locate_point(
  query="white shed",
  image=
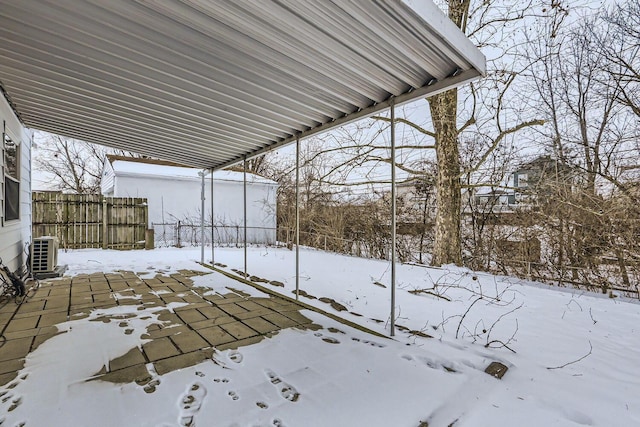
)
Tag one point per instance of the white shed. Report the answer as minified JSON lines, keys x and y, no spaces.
{"x":173,"y":193}
{"x":15,"y":187}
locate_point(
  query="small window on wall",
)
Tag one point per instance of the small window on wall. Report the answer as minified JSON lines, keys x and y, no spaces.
{"x":11,"y":153}
{"x":521,"y":180}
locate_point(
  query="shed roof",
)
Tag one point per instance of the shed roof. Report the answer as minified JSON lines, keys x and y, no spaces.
{"x":135,"y":167}
{"x":206,"y":83}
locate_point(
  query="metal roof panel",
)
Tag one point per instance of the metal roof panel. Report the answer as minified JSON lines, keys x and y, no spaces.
{"x":207,"y":83}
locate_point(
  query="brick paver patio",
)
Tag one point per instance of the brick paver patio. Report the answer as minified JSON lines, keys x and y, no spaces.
{"x":187,"y":336}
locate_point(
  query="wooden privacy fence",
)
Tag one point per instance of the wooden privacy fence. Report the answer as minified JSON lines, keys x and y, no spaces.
{"x":90,"y":220}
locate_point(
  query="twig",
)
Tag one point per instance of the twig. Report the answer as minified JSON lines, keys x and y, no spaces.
{"x":575,"y":302}
{"x":575,"y":361}
{"x":465,"y":314}
{"x":488,"y":345}
{"x":503,"y":315}
{"x":428,"y":292}
{"x":504,"y":344}
{"x":399,"y":312}
{"x":591,"y":314}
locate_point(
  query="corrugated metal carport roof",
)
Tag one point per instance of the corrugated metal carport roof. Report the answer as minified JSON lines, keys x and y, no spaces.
{"x":207,"y":82}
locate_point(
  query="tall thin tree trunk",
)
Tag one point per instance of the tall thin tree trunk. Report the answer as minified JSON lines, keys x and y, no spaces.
{"x":447,"y":247}
{"x":444,"y":111}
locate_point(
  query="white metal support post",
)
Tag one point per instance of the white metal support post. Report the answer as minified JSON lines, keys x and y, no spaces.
{"x":297,"y":218}
{"x":213,"y":251}
{"x":393,"y":219}
{"x":244,"y":170}
{"x":202,"y":218}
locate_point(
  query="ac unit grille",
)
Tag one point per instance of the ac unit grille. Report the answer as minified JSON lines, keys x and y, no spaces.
{"x":44,"y":254}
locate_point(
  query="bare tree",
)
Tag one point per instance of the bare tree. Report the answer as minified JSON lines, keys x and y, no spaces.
{"x":485,"y":106}
{"x":623,"y":51}
{"x":485,"y":113}
{"x":575,"y":74}
{"x":594,"y":123}
{"x":76,"y":166}
{"x":581,"y":208}
{"x":262,"y":165}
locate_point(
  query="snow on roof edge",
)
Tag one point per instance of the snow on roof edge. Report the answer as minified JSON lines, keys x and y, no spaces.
{"x":149,"y":169}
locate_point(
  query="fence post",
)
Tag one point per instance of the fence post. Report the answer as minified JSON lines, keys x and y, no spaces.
{"x":105,"y":224}
{"x":178,"y":235}
{"x":149,"y":239}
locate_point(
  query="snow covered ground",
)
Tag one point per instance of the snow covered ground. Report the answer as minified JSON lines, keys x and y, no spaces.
{"x":572,"y":355}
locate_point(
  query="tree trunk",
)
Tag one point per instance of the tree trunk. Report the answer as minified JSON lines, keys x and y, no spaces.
{"x":424,"y":228}
{"x":447,"y":247}
{"x":623,"y":268}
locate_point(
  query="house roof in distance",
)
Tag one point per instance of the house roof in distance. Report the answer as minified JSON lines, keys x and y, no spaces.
{"x":145,"y":167}
{"x":209,"y":83}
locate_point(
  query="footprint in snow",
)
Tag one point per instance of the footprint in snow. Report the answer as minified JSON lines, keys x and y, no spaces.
{"x":235,"y":356}
{"x":190,"y":404}
{"x":329,"y":340}
{"x":287,"y":391}
{"x":14,"y":404}
{"x":150,"y":387}
{"x":371,"y":343}
{"x":9,"y":398}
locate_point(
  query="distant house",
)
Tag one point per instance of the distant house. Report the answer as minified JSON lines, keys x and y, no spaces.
{"x":173,"y":193}
{"x":494,"y":199}
{"x":543,"y":175}
{"x":15,"y":187}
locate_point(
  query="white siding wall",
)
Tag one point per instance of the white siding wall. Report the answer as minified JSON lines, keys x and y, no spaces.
{"x":173,"y":199}
{"x":14,"y":234}
{"x":107,"y":181}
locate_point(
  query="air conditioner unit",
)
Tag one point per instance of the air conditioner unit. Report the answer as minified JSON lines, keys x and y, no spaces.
{"x":44,"y":254}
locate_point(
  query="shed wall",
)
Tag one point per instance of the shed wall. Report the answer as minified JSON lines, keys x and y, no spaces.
{"x":107,"y":179}
{"x":174,"y":199}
